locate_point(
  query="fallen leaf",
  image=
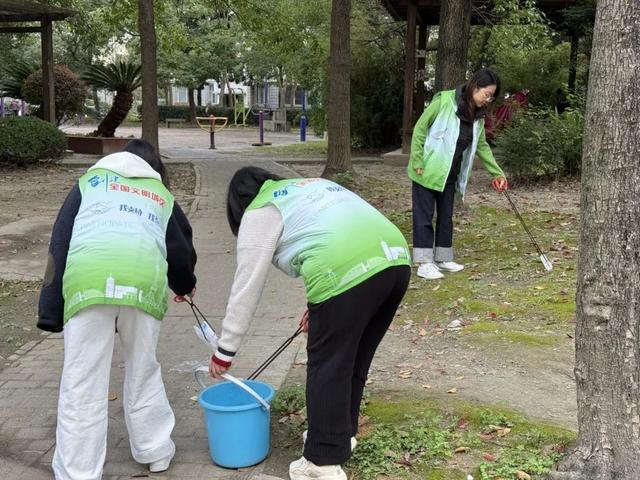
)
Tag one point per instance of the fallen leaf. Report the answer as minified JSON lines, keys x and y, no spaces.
{"x":436,"y":288}
{"x":489,"y":457}
{"x":194,"y":398}
{"x":520,"y":475}
{"x":452,"y":391}
{"x":112,"y":397}
{"x":460,"y":377}
{"x":538,"y":287}
{"x":486,"y":436}
{"x":461,"y":450}
{"x":463,"y":423}
{"x":426,"y":386}
{"x":368,"y":382}
{"x":422,"y":332}
{"x":405,"y":459}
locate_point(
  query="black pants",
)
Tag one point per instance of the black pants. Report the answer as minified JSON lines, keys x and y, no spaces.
{"x":344,"y":333}
{"x":425,"y":202}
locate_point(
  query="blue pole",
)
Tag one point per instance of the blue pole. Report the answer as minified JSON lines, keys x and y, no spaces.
{"x":303,"y":120}
{"x":261,"y":126}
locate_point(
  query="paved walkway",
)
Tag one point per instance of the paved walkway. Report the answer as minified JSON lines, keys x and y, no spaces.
{"x":29,"y":386}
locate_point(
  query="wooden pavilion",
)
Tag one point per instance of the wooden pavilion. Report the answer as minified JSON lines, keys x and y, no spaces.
{"x":16,"y":12}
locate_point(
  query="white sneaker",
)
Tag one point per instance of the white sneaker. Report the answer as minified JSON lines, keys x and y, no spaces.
{"x":303,"y":469}
{"x":161,"y":465}
{"x":449,"y":266}
{"x":429,"y":271}
{"x":354,"y":442}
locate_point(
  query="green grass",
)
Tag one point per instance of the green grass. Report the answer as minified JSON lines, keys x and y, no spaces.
{"x":504,"y":285}
{"x":307,"y":149}
{"x":437,"y":438}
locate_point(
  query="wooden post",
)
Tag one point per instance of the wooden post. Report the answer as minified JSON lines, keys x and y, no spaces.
{"x":423,"y":35}
{"x":48,"y":78}
{"x":409,"y":67}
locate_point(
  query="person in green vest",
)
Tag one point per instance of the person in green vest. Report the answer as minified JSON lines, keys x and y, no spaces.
{"x":356,"y":268}
{"x":119,"y":240}
{"x":445,"y":140}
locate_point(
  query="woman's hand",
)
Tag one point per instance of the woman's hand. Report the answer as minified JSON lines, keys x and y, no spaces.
{"x":419,"y":171}
{"x":181,"y":298}
{"x":500,"y":184}
{"x":215,"y":369}
{"x":304,"y":321}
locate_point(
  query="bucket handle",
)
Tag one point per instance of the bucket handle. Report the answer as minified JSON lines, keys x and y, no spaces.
{"x":237,"y":382}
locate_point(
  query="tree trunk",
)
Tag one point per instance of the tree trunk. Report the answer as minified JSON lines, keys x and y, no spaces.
{"x":453,"y":43}
{"x":222,"y":84}
{"x":96,"y":99}
{"x":608,"y":324}
{"x":115,"y":116}
{"x":149,"y":72}
{"x":573,"y":62}
{"x":192,"y":105}
{"x":339,"y":111}
{"x":199,"y":94}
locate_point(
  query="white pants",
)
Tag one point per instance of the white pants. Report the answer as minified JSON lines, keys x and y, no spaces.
{"x":81,"y":435}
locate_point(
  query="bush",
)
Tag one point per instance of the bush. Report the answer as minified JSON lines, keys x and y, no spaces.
{"x":25,"y":140}
{"x":70,"y":92}
{"x":377,"y":85}
{"x":541,"y":143}
{"x":541,"y":70}
{"x":182,"y":111}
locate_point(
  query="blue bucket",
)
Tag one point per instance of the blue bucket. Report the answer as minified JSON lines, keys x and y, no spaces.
{"x":237,"y":415}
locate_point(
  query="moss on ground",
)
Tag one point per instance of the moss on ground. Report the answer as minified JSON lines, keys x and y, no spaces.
{"x":441,"y":438}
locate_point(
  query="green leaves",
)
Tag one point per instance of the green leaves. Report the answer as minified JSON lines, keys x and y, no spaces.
{"x":118,"y":77}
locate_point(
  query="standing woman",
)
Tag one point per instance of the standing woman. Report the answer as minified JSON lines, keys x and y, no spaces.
{"x":445,"y":140}
{"x":356,"y":267}
{"x":119,"y":240}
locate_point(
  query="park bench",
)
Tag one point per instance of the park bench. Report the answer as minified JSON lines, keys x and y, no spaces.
{"x":179,"y":121}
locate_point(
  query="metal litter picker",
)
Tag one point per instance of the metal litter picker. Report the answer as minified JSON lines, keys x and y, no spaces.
{"x":543,"y":258}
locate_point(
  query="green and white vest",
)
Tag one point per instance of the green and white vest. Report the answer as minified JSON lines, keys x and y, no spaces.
{"x":332,"y":237}
{"x":117,"y":254}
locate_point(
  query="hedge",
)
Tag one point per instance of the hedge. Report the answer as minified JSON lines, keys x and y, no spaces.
{"x":25,"y":140}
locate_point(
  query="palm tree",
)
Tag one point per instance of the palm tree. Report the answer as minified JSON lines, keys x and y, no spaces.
{"x":122,"y":78}
{"x":12,"y":85}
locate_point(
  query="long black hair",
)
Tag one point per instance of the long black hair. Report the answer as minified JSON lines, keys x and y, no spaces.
{"x":482,"y":78}
{"x":148,"y":153}
{"x":243,"y":188}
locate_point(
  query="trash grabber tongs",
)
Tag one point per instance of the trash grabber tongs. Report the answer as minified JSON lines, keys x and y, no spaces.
{"x":543,"y":258}
{"x":200,"y":318}
{"x":274,"y":355}
{"x":208,"y":333}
